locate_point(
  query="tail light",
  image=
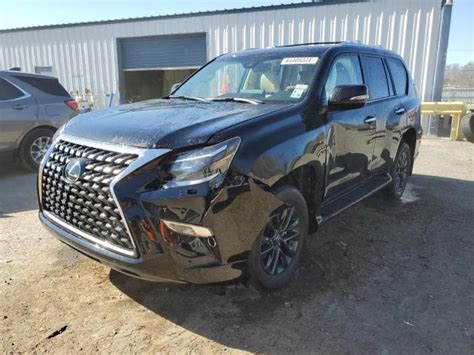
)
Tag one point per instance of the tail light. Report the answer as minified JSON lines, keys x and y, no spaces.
{"x":72,"y":104}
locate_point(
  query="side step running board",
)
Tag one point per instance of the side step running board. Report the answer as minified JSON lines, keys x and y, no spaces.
{"x":350,"y":199}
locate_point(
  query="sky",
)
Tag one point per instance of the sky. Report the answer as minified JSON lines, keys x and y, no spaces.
{"x":461,"y":34}
{"x":23,"y":13}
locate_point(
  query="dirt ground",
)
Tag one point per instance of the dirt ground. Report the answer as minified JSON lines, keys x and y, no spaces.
{"x":382,"y":277}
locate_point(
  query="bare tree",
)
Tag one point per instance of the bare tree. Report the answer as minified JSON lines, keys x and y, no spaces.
{"x":459,"y":75}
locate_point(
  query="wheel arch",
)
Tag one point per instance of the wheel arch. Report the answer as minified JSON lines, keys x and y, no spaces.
{"x":28,"y":132}
{"x":308,"y":180}
{"x":409,"y":137}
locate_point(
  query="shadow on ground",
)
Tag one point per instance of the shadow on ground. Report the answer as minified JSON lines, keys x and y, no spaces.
{"x":382,"y":276}
{"x":17,"y":189}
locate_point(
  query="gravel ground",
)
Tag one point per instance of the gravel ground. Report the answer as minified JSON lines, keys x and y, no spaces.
{"x":383,"y":277}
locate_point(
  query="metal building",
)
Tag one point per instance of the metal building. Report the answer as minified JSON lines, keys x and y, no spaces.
{"x":133,"y":57}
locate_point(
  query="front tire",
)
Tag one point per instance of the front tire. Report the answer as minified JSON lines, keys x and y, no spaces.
{"x":34,"y":146}
{"x":399,"y":172}
{"x":277,"y":250}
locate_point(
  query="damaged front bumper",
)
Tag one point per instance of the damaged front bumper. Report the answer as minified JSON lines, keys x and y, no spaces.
{"x":233,"y":216}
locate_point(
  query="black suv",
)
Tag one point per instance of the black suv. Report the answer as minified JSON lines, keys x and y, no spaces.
{"x":228,"y":175}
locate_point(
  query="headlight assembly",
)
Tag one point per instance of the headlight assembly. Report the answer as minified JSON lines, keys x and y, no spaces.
{"x":200,"y":165}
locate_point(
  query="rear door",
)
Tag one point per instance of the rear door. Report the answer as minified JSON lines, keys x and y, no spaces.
{"x":409,"y":101}
{"x":18,"y":113}
{"x":387,"y":108}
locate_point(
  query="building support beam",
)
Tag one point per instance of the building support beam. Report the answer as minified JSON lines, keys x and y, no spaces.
{"x":442,"y":50}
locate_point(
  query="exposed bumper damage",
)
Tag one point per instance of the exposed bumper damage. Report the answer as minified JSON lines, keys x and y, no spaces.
{"x":235,"y":214}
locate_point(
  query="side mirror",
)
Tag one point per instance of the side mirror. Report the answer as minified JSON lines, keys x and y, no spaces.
{"x":174,"y":87}
{"x":349,"y":96}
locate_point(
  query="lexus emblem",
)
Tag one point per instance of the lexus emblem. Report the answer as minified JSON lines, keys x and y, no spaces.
{"x":73,"y":170}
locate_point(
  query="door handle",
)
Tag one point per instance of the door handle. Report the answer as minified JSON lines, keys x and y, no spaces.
{"x":400,"y":111}
{"x":19,"y":107}
{"x":370,"y":119}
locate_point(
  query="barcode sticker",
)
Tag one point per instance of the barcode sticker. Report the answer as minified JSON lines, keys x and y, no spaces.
{"x":298,"y":91}
{"x":299,"y":61}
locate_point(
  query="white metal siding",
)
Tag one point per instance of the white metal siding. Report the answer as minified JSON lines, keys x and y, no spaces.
{"x":86,"y":56}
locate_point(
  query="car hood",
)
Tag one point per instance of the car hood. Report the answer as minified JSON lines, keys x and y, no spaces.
{"x":164,"y":123}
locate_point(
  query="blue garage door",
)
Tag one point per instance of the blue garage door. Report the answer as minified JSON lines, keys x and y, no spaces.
{"x":176,"y":51}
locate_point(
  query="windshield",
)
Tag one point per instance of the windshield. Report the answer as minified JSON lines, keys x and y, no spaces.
{"x":251,"y":77}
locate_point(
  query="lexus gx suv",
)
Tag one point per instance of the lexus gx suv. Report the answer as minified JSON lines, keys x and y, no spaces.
{"x":230,"y":174}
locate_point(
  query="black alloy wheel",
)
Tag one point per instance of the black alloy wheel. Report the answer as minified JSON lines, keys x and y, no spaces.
{"x":400,"y":172}
{"x":280,"y":241}
{"x":277,"y":250}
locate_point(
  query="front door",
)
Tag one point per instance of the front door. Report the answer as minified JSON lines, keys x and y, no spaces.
{"x":351,"y":131}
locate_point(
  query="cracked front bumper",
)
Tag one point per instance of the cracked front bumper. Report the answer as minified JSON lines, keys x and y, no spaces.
{"x":235,"y":215}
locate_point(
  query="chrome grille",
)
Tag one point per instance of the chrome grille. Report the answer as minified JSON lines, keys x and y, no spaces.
{"x":87,"y":203}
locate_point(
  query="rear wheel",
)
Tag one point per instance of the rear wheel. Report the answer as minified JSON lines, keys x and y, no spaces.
{"x":400,"y":172}
{"x":34,"y":147}
{"x":277,"y":250}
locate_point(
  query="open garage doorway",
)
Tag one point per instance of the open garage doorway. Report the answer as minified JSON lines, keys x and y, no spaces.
{"x":142,"y":85}
{"x":151,"y":65}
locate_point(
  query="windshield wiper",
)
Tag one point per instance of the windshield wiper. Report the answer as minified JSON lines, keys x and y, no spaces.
{"x":237,"y":99}
{"x":184,"y":97}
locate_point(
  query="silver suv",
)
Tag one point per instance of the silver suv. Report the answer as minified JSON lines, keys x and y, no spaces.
{"x":32,"y":108}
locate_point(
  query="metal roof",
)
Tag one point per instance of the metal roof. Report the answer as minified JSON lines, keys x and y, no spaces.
{"x":188,"y":14}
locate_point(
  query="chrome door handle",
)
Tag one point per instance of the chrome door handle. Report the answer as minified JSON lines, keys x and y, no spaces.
{"x":370,"y":119}
{"x":19,"y":107}
{"x":400,"y":111}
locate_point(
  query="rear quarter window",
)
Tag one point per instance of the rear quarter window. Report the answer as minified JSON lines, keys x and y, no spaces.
{"x":49,"y":86}
{"x":9,"y":91}
{"x":399,"y":76}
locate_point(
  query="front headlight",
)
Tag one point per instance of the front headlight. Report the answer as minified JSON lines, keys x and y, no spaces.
{"x":197,"y":166}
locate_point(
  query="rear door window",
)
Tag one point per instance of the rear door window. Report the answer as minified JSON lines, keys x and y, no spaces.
{"x":399,"y":75}
{"x":49,"y":86}
{"x":376,"y":77}
{"x":345,"y":70}
{"x":9,"y":91}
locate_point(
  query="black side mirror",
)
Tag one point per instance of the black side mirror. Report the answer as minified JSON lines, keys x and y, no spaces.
{"x":349,"y":96}
{"x":174,"y":87}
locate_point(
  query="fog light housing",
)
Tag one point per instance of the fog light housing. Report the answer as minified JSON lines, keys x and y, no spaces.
{"x":188,"y":229}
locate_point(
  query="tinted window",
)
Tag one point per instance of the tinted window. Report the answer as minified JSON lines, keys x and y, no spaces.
{"x":49,"y":86}
{"x":376,"y":78}
{"x":399,"y":75}
{"x":8,"y":91}
{"x":344,"y":71}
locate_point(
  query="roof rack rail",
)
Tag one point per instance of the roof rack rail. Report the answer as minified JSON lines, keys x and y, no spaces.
{"x":309,"y":43}
{"x":317,"y":43}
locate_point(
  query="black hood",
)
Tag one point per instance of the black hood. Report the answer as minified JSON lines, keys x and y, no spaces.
{"x":164,"y":123}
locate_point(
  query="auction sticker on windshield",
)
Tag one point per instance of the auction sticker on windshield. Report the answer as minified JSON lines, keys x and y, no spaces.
{"x":299,"y":60}
{"x":298,"y":91}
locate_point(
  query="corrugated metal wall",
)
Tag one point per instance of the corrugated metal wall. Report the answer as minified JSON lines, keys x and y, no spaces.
{"x":86,"y":56}
{"x":160,"y":51}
